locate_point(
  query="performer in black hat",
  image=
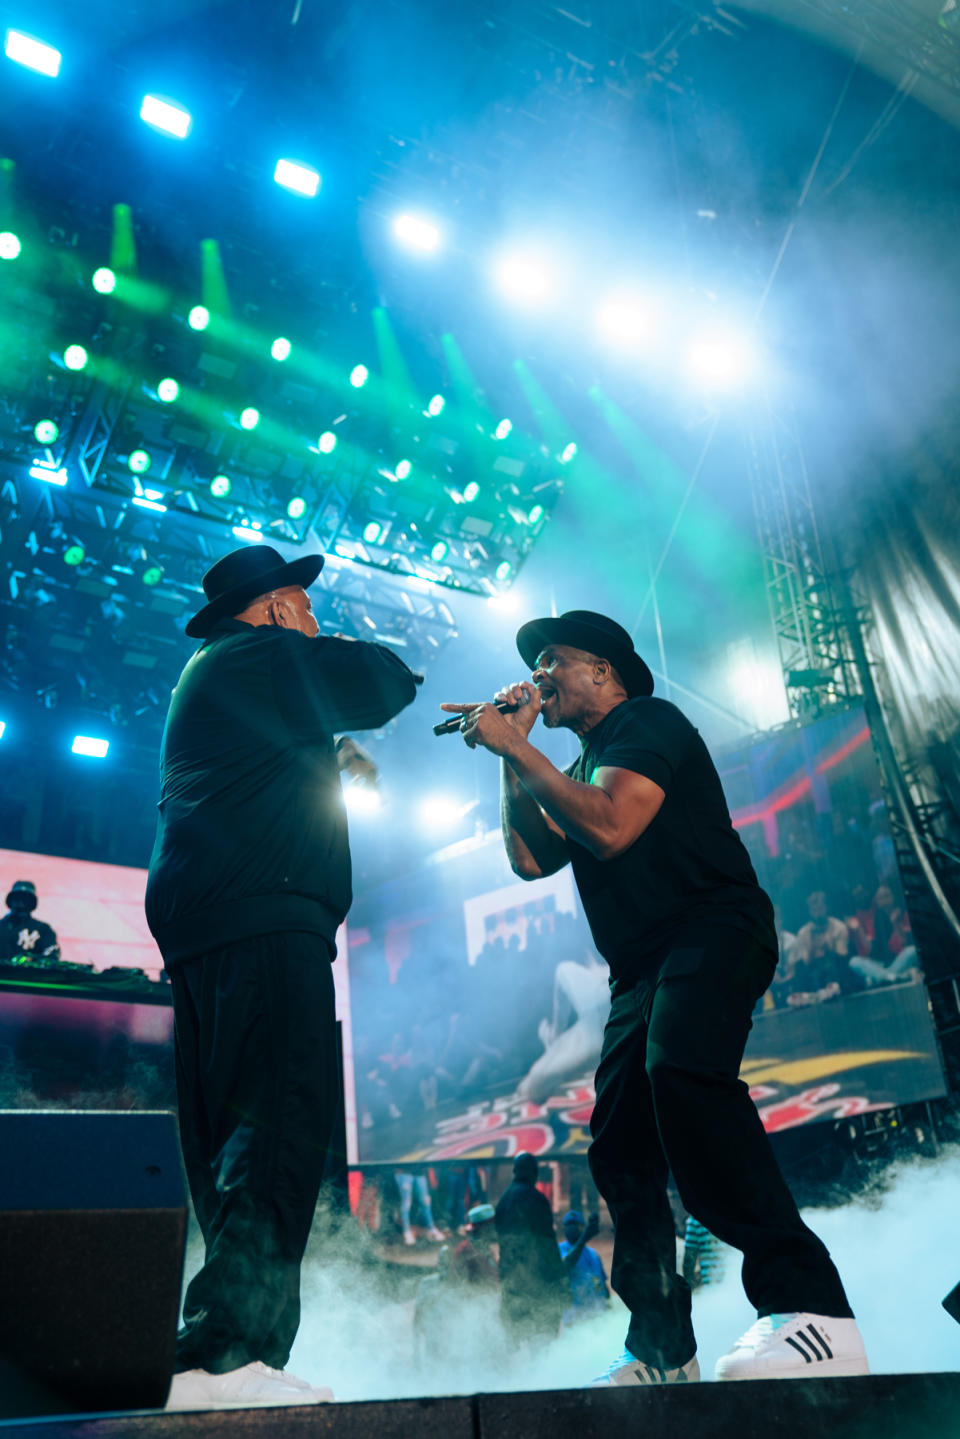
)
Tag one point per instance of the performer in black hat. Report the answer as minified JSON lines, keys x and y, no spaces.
{"x":22,"y":936}
{"x":676,"y":910}
{"x":248,"y":883}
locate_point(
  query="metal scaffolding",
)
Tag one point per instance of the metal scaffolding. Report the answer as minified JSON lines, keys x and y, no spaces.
{"x":814,"y":653}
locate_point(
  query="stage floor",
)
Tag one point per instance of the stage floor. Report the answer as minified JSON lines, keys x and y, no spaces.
{"x":901,"y":1406}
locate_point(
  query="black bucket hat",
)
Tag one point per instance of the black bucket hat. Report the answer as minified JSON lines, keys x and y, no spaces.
{"x":23,"y":887}
{"x":585,"y":630}
{"x":237,"y":579}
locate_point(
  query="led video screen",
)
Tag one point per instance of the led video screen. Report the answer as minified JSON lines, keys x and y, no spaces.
{"x":96,"y":1030}
{"x":479,"y":1002}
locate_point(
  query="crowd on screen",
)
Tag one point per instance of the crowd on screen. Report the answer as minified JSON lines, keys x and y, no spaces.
{"x":842,"y":925}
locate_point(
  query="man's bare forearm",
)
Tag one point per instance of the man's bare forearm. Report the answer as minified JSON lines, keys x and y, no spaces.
{"x":584,"y":812}
{"x":533,"y":847}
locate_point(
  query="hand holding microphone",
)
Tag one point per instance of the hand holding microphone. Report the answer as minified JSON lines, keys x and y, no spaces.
{"x":495,"y":725}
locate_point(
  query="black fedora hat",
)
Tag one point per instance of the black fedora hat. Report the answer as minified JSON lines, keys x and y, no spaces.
{"x":584,"y":630}
{"x":237,"y":579}
{"x":25,"y":887}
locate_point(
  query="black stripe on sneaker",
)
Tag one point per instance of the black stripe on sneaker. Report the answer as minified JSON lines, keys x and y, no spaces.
{"x":799,"y":1348}
{"x":808,"y":1343}
{"x":819,"y":1337}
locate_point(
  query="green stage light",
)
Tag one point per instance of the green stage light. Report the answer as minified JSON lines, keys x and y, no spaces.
{"x":168,"y":390}
{"x":139,"y":462}
{"x":152,"y":575}
{"x":199,"y":317}
{"x":297,"y":507}
{"x":327,"y":443}
{"x":75,"y":357}
{"x":503,"y":429}
{"x":359,"y":376}
{"x":104,"y":281}
{"x":220,"y":486}
{"x":436,"y":406}
{"x":403,"y":469}
{"x":10,"y":246}
{"x":504,"y":570}
{"x":568,"y":454}
{"x":74,"y":554}
{"x":46,"y":432}
{"x":439,"y":551}
{"x":535,"y":514}
{"x":471,"y":491}
{"x":249,"y":418}
{"x":280,"y":349}
{"x":372,"y":532}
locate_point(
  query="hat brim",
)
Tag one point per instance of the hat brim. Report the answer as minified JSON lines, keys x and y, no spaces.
{"x":536,"y":635}
{"x":301,"y":572}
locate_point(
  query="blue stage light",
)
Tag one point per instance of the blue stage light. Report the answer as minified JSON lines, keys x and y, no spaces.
{"x":280,"y":349}
{"x":91,"y":746}
{"x":10,"y":246}
{"x":166,"y":116}
{"x":297,"y":508}
{"x":35,"y":54}
{"x":75,"y":357}
{"x":299,"y":178}
{"x":416,"y":233}
{"x":168,"y":390}
{"x":249,"y":418}
{"x":220,"y":486}
{"x":503,"y":429}
{"x":436,"y":406}
{"x":199,"y":317}
{"x":104,"y":281}
{"x":359,"y":376}
{"x":327,"y":443}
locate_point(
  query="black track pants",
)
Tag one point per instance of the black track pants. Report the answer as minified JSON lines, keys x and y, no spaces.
{"x":258,"y":1086}
{"x":669,"y":1097}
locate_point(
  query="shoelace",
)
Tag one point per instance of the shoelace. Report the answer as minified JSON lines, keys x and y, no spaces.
{"x":762,"y":1329}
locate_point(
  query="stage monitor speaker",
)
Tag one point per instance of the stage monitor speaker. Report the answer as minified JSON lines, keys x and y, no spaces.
{"x":93,"y":1221}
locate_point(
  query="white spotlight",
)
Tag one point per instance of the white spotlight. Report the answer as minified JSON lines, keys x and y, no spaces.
{"x":299,"y":178}
{"x":628,"y":320}
{"x":417,"y":233}
{"x":362,"y":799}
{"x":523,"y":279}
{"x":722,"y":360}
{"x":508,"y":603}
{"x":164,"y":115}
{"x":36,"y":55}
{"x":90,"y":745}
{"x":440,"y":811}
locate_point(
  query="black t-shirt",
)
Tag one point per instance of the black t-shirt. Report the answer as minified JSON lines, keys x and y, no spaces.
{"x":21,"y":934}
{"x":688,"y":874}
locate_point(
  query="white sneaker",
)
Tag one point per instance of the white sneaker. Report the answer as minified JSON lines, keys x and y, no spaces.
{"x":409,"y":1238}
{"x":255,"y":1384}
{"x":628,"y":1369}
{"x":796,"y":1346}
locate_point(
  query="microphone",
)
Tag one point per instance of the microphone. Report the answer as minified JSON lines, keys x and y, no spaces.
{"x":451,"y":725}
